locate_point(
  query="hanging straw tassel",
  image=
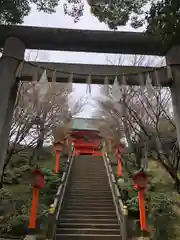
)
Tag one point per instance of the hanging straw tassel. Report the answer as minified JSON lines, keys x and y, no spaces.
{"x":140,"y":79}
{"x":116,"y":90}
{"x":19,"y":70}
{"x":124,"y":83}
{"x":149,"y":84}
{"x":156,"y":76}
{"x":54,"y":76}
{"x":70,"y":82}
{"x":169,"y":72}
{"x":36,"y":74}
{"x":123,"y":80}
{"x":106,"y":86}
{"x":88,"y":89}
{"x":148,"y":80}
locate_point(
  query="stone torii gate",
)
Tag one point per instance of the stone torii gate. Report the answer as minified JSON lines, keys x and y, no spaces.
{"x":16,"y":39}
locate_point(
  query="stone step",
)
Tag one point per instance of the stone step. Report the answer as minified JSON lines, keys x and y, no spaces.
{"x":95,"y":166}
{"x":90,"y":183}
{"x":87,"y":216}
{"x":87,"y":237}
{"x":90,"y":171}
{"x":76,"y":204}
{"x":80,"y":231}
{"x":86,"y":225}
{"x":90,"y":201}
{"x":99,"y":166}
{"x":93,"y":192}
{"x":89,"y":196}
{"x":94,"y":195}
{"x":73,"y":191}
{"x":92,"y":208}
{"x":84,"y":189}
{"x":86,"y":159}
{"x":87,"y":221}
{"x":89,"y":212}
{"x":94,"y":178}
{"x":90,"y":164}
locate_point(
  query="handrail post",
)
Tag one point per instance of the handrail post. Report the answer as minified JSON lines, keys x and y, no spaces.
{"x":51,"y":216}
{"x":125,"y":223}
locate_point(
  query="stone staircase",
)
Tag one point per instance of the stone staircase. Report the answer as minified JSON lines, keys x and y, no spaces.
{"x":88,"y":211}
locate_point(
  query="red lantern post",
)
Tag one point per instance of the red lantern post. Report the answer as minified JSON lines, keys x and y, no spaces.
{"x":58,"y":148}
{"x":119,"y":152}
{"x":37,"y":183}
{"x":140,"y":180}
{"x":119,"y":165}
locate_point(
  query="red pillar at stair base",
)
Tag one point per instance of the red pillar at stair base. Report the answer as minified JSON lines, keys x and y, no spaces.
{"x":57,"y":161}
{"x":142,"y":210}
{"x":32,"y":222}
{"x":119,"y":166}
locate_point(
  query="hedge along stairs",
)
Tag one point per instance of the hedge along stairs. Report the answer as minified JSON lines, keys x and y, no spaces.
{"x":88,"y":210}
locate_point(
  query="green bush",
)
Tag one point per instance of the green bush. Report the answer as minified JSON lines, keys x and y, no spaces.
{"x":10,"y":177}
{"x":52,"y":182}
{"x":162,"y":217}
{"x":5,"y":202}
{"x":4,"y":195}
{"x":46,"y":152}
{"x":14,"y":175}
{"x":133,"y":204}
{"x":16,"y":224}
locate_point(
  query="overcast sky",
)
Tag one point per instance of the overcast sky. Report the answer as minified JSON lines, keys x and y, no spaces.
{"x":60,"y":20}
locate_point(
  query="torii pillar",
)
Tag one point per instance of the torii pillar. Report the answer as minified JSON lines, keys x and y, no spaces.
{"x":13,"y":49}
{"x":172,"y":58}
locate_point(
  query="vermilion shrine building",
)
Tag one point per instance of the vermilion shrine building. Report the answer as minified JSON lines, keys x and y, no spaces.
{"x":85,"y":137}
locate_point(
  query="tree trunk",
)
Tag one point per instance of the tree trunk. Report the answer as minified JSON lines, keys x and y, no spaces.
{"x":33,"y":160}
{"x":177,"y":185}
{"x":172,"y":172}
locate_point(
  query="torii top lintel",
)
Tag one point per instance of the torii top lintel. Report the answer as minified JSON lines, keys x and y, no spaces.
{"x":83,"y":40}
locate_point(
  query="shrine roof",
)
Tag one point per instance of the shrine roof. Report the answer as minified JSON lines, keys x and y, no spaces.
{"x":84,"y":124}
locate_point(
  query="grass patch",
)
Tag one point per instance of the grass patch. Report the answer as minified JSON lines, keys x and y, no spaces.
{"x":48,"y":163}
